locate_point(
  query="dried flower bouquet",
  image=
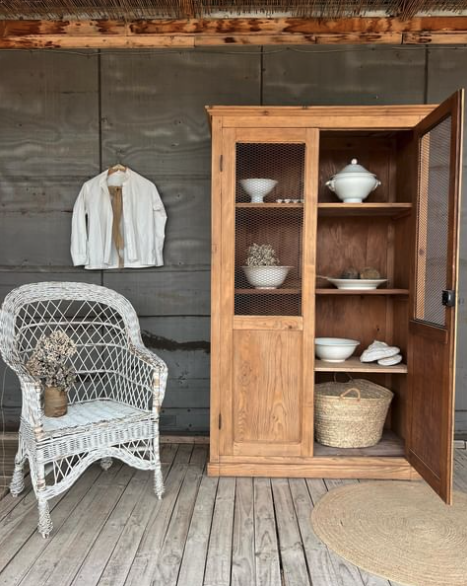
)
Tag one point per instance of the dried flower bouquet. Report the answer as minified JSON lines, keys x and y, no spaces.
{"x":49,"y":360}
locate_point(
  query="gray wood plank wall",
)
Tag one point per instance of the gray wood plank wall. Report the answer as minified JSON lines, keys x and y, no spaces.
{"x":65,"y":115}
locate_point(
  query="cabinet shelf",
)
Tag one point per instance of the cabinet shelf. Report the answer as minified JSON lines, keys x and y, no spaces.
{"x":364,"y":209}
{"x":266,"y":205}
{"x":353,"y":364}
{"x":285,"y":291}
{"x":390,"y":446}
{"x":330,"y":291}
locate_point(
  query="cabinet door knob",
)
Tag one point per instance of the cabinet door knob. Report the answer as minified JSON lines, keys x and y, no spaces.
{"x":448,"y":298}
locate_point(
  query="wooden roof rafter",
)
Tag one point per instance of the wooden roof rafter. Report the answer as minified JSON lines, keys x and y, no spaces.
{"x":196,"y":32}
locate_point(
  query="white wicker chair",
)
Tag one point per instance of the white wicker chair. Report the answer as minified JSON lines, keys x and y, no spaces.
{"x":113,"y":407}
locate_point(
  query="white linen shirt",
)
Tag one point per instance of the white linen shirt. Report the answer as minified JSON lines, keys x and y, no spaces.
{"x":143,"y":224}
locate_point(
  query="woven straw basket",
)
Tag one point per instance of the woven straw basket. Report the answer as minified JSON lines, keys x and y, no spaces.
{"x":350,"y":415}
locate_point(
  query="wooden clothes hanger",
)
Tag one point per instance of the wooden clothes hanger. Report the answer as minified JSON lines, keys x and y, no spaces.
{"x":115,"y":168}
{"x":118,"y":166}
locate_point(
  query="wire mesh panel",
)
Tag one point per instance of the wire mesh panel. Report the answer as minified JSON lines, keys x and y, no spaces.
{"x":97,"y":329}
{"x":268,"y":228}
{"x":433,"y":211}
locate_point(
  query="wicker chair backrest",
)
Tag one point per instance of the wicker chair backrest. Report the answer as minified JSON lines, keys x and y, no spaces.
{"x":101,"y":322}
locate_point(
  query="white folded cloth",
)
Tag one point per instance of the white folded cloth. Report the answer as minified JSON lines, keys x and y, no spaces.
{"x":377,"y":351}
{"x":391,"y":360}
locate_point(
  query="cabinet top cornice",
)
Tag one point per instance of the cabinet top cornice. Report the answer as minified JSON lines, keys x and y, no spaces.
{"x":372,"y":117}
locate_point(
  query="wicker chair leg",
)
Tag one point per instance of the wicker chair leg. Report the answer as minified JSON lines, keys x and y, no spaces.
{"x":45,"y":522}
{"x":17,"y":481}
{"x":158,"y":482}
{"x":106,"y":463}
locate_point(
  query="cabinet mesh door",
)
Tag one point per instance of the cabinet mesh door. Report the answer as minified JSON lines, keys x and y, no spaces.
{"x":268,"y":228}
{"x":433,"y":212}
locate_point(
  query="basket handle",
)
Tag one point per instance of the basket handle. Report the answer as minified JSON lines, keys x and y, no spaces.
{"x":349,"y":376}
{"x":345,"y":393}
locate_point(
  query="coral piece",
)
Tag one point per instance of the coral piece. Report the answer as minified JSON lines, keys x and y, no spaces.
{"x":349,"y":273}
{"x":261,"y":255}
{"x":390,"y":361}
{"x":370,"y":273}
{"x":377,"y":351}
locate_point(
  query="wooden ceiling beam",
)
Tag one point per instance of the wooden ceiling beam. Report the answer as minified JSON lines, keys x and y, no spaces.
{"x":29,"y":34}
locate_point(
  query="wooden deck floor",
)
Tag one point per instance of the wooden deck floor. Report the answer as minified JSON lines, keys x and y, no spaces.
{"x":110,"y":530}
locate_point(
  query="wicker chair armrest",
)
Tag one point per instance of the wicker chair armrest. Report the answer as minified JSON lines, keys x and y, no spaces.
{"x":31,"y":389}
{"x":152,"y":376}
{"x":159,"y":371}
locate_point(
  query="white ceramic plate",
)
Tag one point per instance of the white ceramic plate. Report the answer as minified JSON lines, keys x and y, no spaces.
{"x":357,"y":284}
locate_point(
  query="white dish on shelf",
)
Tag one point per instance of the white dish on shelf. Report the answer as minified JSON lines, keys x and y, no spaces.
{"x":357,"y":284}
{"x":354,"y":183}
{"x":257,"y":188}
{"x":335,"y":349}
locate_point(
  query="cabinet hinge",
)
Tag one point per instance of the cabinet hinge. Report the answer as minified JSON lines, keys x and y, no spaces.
{"x":220,"y":421}
{"x":221,"y":163}
{"x":448,"y":298}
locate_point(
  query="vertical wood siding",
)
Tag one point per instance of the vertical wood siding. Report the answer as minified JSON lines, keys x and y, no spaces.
{"x":66,"y":115}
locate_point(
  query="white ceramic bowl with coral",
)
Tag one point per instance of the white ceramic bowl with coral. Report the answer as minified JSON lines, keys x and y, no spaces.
{"x":335,"y":349}
{"x":267,"y":277}
{"x":258,"y":188}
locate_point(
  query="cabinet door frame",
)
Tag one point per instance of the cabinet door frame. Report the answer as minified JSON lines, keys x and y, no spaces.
{"x":229,"y":322}
{"x":436,"y":340}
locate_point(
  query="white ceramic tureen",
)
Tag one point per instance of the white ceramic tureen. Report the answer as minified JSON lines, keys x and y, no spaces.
{"x":354,"y":183}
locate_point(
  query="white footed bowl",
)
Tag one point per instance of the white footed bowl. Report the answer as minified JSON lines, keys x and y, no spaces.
{"x":335,"y":349}
{"x":266,"y":277}
{"x":257,"y":189}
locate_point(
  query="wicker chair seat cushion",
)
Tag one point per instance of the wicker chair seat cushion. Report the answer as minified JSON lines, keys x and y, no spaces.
{"x":92,"y":412}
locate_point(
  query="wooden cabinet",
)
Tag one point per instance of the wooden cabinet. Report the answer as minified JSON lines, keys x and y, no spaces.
{"x":263,"y":361}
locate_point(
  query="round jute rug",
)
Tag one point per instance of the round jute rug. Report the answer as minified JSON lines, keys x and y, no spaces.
{"x":401,"y":531}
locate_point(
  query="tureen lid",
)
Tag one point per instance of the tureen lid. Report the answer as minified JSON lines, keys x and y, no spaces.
{"x":354,"y":167}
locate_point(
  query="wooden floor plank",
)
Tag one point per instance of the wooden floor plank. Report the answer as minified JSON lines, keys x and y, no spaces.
{"x":17,"y":509}
{"x":196,"y":546}
{"x":25,"y":545}
{"x":69,"y":547}
{"x":290,"y":544}
{"x":268,"y":571}
{"x":94,"y":564}
{"x":338,"y":482}
{"x":119,"y":563}
{"x":21,"y":521}
{"x":9,"y":502}
{"x":460,"y":470}
{"x":219,"y":558}
{"x":109,"y":530}
{"x":243,"y":546}
{"x":320,"y":566}
{"x":171,"y":553}
{"x":143,"y":567}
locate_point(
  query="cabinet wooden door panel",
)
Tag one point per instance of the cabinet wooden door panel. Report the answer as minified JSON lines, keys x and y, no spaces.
{"x":266,"y":362}
{"x":432,"y":323}
{"x":267,"y":369}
